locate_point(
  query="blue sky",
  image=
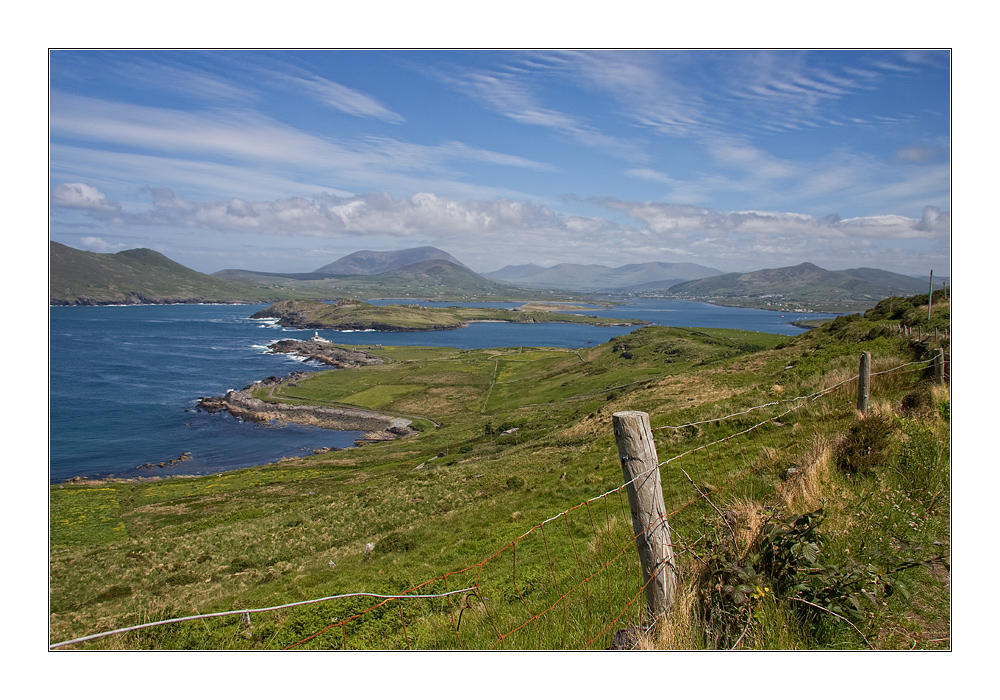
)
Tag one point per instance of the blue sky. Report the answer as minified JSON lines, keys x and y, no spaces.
{"x":288,"y":160}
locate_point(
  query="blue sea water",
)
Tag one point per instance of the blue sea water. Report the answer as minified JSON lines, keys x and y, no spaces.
{"x":125,"y":380}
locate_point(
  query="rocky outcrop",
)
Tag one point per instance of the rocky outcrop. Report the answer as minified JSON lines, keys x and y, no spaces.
{"x":326,"y":353}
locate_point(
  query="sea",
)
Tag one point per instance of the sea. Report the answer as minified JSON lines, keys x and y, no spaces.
{"x":124,"y":381}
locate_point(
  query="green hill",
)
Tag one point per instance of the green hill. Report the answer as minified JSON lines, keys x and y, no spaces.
{"x":800,"y":285}
{"x":139,"y":276}
{"x":370,"y":262}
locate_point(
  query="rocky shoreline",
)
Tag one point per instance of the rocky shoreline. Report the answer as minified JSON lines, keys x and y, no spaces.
{"x":327,"y":353}
{"x":137,"y":299}
{"x":243,"y":405}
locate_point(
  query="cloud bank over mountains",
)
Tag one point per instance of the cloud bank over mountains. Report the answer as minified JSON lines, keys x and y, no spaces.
{"x":681,"y":232}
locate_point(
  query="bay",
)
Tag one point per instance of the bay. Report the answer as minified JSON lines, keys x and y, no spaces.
{"x":124,"y":381}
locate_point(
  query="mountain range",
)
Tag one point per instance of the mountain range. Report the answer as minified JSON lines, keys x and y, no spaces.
{"x":363,"y":262}
{"x":146,"y":276}
{"x":806,"y":283}
{"x":636,"y":277}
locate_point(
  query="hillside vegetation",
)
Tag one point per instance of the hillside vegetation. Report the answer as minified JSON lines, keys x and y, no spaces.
{"x":799,"y":524}
{"x":135,"y":276}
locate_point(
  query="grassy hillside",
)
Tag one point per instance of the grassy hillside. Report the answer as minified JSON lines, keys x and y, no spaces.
{"x":519,"y":436}
{"x":913,"y":311}
{"x":358,"y":315}
{"x":135,"y":276}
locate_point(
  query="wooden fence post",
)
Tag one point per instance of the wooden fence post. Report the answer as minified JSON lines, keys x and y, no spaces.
{"x":930,"y":297}
{"x":864,"y":381}
{"x":939,"y":366}
{"x":641,"y":472}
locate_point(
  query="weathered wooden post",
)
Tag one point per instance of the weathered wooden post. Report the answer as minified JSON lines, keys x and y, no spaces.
{"x":939,"y":366}
{"x":641,"y":472}
{"x":864,"y":381}
{"x":930,"y":298}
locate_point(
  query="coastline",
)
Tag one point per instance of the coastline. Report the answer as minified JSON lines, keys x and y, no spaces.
{"x":242,"y":404}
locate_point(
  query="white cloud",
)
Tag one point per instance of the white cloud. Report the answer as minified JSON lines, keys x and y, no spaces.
{"x":684,"y":219}
{"x":349,"y":101}
{"x":95,"y":244}
{"x":745,"y":240}
{"x":77,"y":195}
{"x":250,"y":139}
{"x":490,"y":233}
{"x":919,"y":154}
{"x":510,"y":94}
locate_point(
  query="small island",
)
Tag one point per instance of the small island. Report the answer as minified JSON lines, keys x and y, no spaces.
{"x":353,"y":315}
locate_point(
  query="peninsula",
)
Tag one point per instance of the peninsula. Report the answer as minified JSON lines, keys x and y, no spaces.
{"x":350,"y":314}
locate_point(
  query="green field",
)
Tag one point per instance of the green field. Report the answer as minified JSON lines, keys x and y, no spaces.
{"x":470,"y":502}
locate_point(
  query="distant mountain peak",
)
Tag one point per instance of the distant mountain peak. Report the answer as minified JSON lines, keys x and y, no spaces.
{"x":804,"y":281}
{"x":651,"y":275}
{"x":371,"y":262}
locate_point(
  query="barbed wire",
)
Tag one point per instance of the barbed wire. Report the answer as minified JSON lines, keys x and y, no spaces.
{"x":248,"y":611}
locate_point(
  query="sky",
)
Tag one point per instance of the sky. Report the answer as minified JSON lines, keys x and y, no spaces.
{"x":285,"y":161}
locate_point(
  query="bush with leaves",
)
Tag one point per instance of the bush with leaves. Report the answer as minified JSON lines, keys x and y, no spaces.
{"x":792,"y":555}
{"x":789,"y":562}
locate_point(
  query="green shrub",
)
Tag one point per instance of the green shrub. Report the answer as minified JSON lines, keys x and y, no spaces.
{"x":866,"y":445}
{"x":918,"y":402}
{"x":944,"y":409}
{"x":515,"y":482}
{"x":397,"y":542}
{"x":789,"y":562}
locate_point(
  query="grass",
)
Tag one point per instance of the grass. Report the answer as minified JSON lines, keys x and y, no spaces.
{"x":464,"y":504}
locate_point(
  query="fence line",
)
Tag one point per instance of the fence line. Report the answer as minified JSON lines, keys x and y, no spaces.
{"x":475,"y":589}
{"x":248,"y":611}
{"x":779,"y":401}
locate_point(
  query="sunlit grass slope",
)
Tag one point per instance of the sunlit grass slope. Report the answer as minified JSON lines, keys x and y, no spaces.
{"x":469,"y":484}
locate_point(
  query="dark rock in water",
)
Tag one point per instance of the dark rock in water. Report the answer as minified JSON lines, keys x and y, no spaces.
{"x":326,"y":353}
{"x":212,"y":404}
